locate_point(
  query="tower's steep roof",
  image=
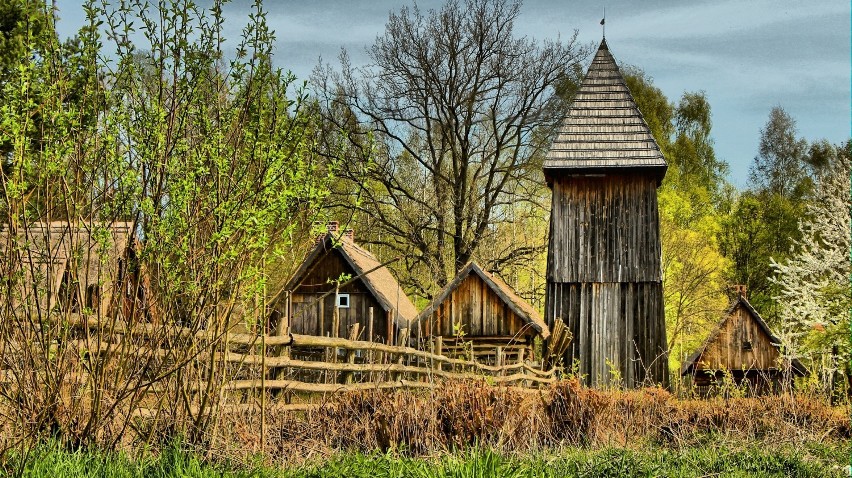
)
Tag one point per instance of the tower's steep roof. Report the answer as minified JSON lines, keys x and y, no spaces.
{"x":604,"y":128}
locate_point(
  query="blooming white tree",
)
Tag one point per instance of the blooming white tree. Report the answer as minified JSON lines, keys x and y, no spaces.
{"x":814,"y":284}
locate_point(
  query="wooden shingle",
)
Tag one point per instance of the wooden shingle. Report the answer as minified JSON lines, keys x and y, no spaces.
{"x":604,"y":128}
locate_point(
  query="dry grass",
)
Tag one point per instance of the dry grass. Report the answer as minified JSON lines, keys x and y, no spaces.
{"x":459,"y":415}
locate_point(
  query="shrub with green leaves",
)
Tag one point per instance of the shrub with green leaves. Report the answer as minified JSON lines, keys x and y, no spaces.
{"x":202,"y":153}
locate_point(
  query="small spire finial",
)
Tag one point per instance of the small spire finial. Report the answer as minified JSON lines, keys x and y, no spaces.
{"x":603,"y":23}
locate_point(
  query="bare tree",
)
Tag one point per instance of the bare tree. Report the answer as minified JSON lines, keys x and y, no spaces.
{"x":441,"y":132}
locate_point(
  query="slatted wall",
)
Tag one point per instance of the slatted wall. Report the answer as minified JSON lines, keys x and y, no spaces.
{"x":604,"y":276}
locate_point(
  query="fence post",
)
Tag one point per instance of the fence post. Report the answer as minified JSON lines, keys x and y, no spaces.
{"x":431,"y":362}
{"x":369,"y":357}
{"x":283,"y":328}
{"x":370,"y":326}
{"x":321,"y":317}
{"x":403,"y":342}
{"x":335,"y":327}
{"x":335,"y":316}
{"x":350,"y":353}
{"x":327,"y":358}
{"x":439,"y":350}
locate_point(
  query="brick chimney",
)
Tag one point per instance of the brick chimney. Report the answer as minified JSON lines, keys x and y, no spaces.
{"x":739,"y":290}
{"x":333,"y":227}
{"x":349,"y":234}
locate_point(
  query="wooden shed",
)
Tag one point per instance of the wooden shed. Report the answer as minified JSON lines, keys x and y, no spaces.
{"x":742,"y":346}
{"x":480,"y":311}
{"x":72,"y":268}
{"x":369,"y":295}
{"x":604,"y":275}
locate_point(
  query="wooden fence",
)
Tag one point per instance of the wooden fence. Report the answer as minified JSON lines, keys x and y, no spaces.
{"x":311,"y":364}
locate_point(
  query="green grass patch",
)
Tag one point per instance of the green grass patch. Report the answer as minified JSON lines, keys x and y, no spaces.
{"x":816,"y":460}
{"x":605,"y":463}
{"x":50,"y":460}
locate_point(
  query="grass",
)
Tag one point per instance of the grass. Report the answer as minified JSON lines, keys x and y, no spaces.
{"x":814,"y":460}
{"x":50,"y":460}
{"x":610,"y":462}
{"x":564,"y":431}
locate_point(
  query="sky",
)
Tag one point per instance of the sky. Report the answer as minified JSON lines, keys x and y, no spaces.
{"x":747,"y":56}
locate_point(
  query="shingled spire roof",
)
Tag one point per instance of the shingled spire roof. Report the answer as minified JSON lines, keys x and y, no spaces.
{"x":604,"y":128}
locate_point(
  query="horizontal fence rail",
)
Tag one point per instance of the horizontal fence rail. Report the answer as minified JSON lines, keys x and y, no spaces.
{"x":291,"y":363}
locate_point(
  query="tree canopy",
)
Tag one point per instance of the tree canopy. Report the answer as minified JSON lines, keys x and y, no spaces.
{"x":447,"y":116}
{"x":813,"y":283}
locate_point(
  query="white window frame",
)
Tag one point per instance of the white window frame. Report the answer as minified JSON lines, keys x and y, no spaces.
{"x":348,"y":301}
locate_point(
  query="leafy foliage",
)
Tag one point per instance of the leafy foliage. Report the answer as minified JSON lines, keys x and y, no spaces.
{"x":813,"y":284}
{"x":209,"y":162}
{"x":690,"y":199}
{"x":763,"y":222}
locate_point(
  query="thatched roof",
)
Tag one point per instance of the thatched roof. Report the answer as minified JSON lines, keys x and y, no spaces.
{"x":47,"y":249}
{"x":604,"y":128}
{"x":690,"y":363}
{"x":516,"y":304}
{"x":375,"y":276}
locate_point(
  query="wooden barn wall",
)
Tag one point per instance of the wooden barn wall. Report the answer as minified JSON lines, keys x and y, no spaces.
{"x":308,"y":308}
{"x":604,"y":276}
{"x":481,"y":312}
{"x":727,"y":350}
{"x":329,"y":266}
{"x":604,"y":229}
{"x":618,"y":326}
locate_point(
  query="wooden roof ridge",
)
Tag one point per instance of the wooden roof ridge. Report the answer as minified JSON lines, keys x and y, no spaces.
{"x":597,"y":122}
{"x":516,"y":303}
{"x":375,"y":276}
{"x":690,"y":362}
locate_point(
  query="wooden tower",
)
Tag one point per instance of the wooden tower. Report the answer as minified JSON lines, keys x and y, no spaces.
{"x":604,"y":275}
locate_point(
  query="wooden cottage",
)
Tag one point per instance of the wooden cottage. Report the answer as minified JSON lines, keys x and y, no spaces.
{"x":742,"y":346}
{"x":604,"y":260}
{"x":321,"y":304}
{"x":72,"y":269}
{"x":480,"y":311}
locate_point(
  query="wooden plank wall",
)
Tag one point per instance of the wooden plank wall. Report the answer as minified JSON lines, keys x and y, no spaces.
{"x":604,"y":277}
{"x":307,"y":308}
{"x":604,"y":229}
{"x":312,"y":316}
{"x":481,"y":312}
{"x":727,"y":350}
{"x":618,"y":326}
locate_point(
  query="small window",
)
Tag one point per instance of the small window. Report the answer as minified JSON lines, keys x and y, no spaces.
{"x":93,"y":296}
{"x":747,"y":345}
{"x":343,"y":301}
